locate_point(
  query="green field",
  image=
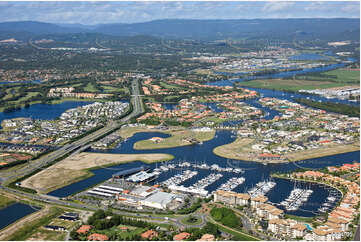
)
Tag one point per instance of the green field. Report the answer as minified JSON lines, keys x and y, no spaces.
{"x":90,"y":88}
{"x":169,"y":86}
{"x":5,"y":201}
{"x":178,"y":138}
{"x":57,"y":101}
{"x":290,"y":85}
{"x":187,"y":220}
{"x":335,"y":78}
{"x":21,"y":100}
{"x":339,"y":75}
{"x":28,"y":96}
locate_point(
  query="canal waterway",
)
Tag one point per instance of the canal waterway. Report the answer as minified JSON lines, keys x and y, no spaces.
{"x":14,"y":212}
{"x":202,"y":153}
{"x":254,"y":172}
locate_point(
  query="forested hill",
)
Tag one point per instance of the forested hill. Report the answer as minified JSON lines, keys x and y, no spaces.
{"x":331,"y":29}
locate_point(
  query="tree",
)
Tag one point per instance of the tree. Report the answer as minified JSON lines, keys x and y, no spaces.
{"x":210,"y":228}
{"x":74,"y":235}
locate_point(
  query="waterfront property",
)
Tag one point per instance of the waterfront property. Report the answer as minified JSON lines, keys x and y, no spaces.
{"x":71,"y":124}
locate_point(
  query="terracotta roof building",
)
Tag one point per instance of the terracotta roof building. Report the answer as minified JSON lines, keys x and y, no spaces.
{"x":181,"y":236}
{"x":207,"y":237}
{"x":84,"y":229}
{"x":231,"y":198}
{"x":98,"y":237}
{"x":150,"y":234}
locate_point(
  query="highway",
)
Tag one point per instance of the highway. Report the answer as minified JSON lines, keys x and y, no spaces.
{"x":69,"y":148}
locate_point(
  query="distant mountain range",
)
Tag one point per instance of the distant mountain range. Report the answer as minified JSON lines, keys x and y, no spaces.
{"x":201,"y":29}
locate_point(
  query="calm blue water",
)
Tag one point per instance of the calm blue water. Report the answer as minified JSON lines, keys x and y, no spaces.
{"x":212,"y":106}
{"x":278,"y":75}
{"x":42,"y":111}
{"x":254,"y":172}
{"x":14,"y":212}
{"x":308,"y":56}
{"x":292,"y":96}
{"x":33,"y":81}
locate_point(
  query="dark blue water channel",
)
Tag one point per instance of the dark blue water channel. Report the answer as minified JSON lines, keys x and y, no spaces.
{"x":309,"y":56}
{"x":14,"y":212}
{"x":254,"y":172}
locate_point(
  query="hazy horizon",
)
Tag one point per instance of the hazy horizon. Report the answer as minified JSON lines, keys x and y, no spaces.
{"x":95,"y":13}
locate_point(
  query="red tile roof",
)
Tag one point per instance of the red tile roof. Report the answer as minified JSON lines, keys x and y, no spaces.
{"x":181,"y":236}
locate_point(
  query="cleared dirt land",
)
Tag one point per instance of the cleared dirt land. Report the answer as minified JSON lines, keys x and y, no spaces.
{"x":325,"y":151}
{"x":77,"y":167}
{"x":240,"y":149}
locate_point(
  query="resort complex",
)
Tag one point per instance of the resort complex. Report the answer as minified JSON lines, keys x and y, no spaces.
{"x":128,"y":122}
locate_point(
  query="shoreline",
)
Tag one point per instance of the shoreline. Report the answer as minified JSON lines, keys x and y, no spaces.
{"x":168,"y":142}
{"x":175,"y":140}
{"x":227,"y":151}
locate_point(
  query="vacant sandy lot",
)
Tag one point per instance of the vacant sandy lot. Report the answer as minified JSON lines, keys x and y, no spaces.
{"x":240,"y":149}
{"x":325,"y":151}
{"x":75,"y":168}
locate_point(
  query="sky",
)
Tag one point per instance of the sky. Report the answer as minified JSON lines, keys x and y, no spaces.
{"x":95,"y":12}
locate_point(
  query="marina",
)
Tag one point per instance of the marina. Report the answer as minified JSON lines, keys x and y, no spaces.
{"x":188,"y":156}
{"x":232,"y":183}
{"x":200,"y":158}
{"x":179,"y":178}
{"x":296,"y":199}
{"x":205,"y":182}
{"x":261,"y":188}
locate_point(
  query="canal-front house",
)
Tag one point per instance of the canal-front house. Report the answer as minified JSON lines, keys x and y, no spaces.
{"x":98,"y":237}
{"x":231,"y":198}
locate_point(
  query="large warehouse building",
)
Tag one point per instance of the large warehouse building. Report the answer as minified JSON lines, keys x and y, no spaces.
{"x":160,"y":200}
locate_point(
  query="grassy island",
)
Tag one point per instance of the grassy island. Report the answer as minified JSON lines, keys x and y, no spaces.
{"x":179,"y":137}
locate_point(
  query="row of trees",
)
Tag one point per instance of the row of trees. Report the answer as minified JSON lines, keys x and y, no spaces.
{"x":346,"y":109}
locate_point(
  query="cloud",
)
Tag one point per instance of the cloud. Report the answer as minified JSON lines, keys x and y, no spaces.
{"x":277,"y":6}
{"x":129,"y":12}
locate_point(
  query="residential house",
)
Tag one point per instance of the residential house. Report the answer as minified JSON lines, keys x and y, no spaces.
{"x":149,"y":235}
{"x":98,"y":237}
{"x":181,"y":236}
{"x":84,"y":229}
